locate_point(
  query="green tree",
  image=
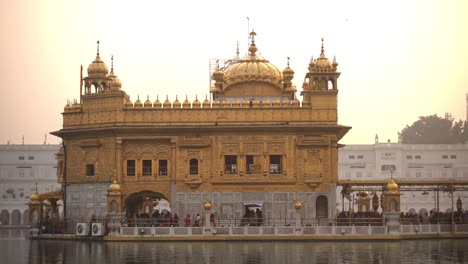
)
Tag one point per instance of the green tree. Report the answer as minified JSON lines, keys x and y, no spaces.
{"x":435,"y":130}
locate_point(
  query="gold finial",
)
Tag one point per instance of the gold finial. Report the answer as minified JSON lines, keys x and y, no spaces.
{"x":288,"y":61}
{"x":391,"y":174}
{"x":112,"y":63}
{"x":147,"y":97}
{"x":252,"y":48}
{"x":237,"y":50}
{"x":98,"y":48}
{"x":36,"y":186}
{"x":252,"y":36}
{"x":323,"y":50}
{"x":217,"y":64}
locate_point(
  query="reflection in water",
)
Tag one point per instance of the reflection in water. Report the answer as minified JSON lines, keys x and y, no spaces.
{"x":415,"y":251}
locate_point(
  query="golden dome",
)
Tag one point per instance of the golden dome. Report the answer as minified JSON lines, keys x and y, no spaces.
{"x":176,"y":103}
{"x":114,"y":187}
{"x":215,"y":103}
{"x":218,"y":74}
{"x":186,"y":103}
{"x":206,"y":103}
{"x":35,"y":197}
{"x":276,"y":102}
{"x":116,"y":84}
{"x":295,"y":102}
{"x":196,"y":103}
{"x":392,"y":187}
{"x":138,"y":102}
{"x":167,"y":103}
{"x":322,"y":64}
{"x":157,"y":103}
{"x":148,"y":102}
{"x":253,"y":67}
{"x":97,"y":68}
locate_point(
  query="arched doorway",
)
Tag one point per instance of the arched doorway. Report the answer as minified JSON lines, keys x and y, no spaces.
{"x":321,"y":207}
{"x":16,"y":217}
{"x":4,"y":217}
{"x":142,"y":203}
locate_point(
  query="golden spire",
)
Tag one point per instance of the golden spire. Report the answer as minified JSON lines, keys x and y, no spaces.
{"x":288,"y":61}
{"x":237,"y":51}
{"x":322,"y":53}
{"x":112,"y":63}
{"x":252,"y":48}
{"x":97,"y":54}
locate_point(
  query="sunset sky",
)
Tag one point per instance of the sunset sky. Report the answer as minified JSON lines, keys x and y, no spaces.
{"x":398,"y":59}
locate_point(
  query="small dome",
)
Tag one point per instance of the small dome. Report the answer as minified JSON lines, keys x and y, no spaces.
{"x":276,"y":102}
{"x":138,"y":102}
{"x":218,"y":75}
{"x":167,"y":103}
{"x":157,"y":103}
{"x":295,"y":102}
{"x":35,"y":197}
{"x":148,"y":102}
{"x":215,"y":103}
{"x":196,"y":103}
{"x":392,"y":187}
{"x":186,"y":103}
{"x":176,"y":103}
{"x":288,"y":71}
{"x":97,"y":68}
{"x":322,"y":64}
{"x":115,"y":83}
{"x":114,"y":187}
{"x":206,"y":103}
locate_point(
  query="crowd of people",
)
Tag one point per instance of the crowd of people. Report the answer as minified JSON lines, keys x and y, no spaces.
{"x":375,"y":218}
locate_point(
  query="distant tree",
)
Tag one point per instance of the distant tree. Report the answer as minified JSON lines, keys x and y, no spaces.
{"x":435,"y":130}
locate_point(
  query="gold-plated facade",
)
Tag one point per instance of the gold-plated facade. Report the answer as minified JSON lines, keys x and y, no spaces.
{"x":254,"y":141}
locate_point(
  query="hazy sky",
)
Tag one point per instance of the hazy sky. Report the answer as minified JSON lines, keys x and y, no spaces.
{"x":398,"y":59}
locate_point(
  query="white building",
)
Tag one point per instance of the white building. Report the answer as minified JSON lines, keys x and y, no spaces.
{"x":21,"y":168}
{"x":406,"y":161}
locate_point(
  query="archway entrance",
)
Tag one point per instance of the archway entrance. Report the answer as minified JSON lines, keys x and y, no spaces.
{"x":5,"y":217}
{"x":144,"y":204}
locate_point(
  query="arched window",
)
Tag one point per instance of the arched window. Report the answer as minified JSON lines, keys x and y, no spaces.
{"x":330,"y":85}
{"x":5,"y":217}
{"x":193,"y":166}
{"x":16,"y":217}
